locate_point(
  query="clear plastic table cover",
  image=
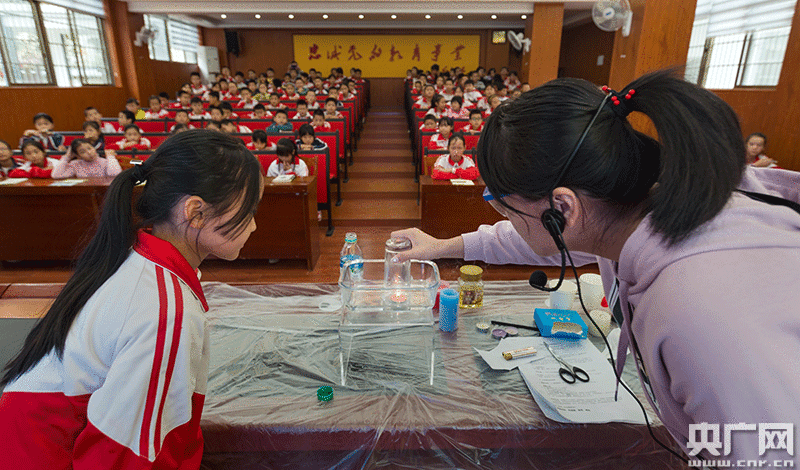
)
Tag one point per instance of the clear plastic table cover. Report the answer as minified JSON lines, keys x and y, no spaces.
{"x":273,"y":346}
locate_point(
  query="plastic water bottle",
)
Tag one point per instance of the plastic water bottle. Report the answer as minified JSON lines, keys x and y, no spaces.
{"x":351,"y":251}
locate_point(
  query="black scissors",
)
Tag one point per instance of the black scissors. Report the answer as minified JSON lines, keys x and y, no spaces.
{"x":569,"y":373}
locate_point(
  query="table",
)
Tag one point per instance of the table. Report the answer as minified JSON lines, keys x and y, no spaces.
{"x":45,"y":222}
{"x":286,"y":222}
{"x":272,"y":347}
{"x":448,"y":210}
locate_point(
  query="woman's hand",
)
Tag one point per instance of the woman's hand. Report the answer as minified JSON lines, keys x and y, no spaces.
{"x":425,"y":247}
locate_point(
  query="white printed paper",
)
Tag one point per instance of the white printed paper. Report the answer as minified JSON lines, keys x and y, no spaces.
{"x":462,"y":182}
{"x":67,"y":182}
{"x":579,"y":402}
{"x":10,"y":181}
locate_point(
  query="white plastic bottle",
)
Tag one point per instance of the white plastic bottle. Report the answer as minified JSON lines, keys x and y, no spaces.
{"x":351,"y":251}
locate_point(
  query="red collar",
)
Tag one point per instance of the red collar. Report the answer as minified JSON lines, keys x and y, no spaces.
{"x":454,"y":164}
{"x":164,"y":254}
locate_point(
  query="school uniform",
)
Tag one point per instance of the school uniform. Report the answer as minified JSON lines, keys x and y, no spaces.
{"x":462,"y":113}
{"x":422,"y":127}
{"x":28,"y":170}
{"x":438,"y":142}
{"x":316,"y":145}
{"x":244,"y":129}
{"x":246,"y":104}
{"x":422,"y":103}
{"x":177,"y":105}
{"x":128,"y":390}
{"x":473,"y":96}
{"x":314,"y":105}
{"x":51,"y":141}
{"x":13,"y":166}
{"x":468,"y":129}
{"x":144,"y":144}
{"x":199,"y":90}
{"x":267,"y":115}
{"x":203,"y":115}
{"x":298,"y":169}
{"x":438,"y":114}
{"x":293,"y":97}
{"x":77,"y":168}
{"x":252,"y":146}
{"x":159,"y":115}
{"x":107,"y":127}
{"x":325,"y":127}
{"x":338,"y":115}
{"x":464,"y":169}
{"x":305,"y":117}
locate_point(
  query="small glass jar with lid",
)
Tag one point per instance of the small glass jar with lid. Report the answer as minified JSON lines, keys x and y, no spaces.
{"x":470,"y":287}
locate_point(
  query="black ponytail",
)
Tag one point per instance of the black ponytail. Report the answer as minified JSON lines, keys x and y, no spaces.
{"x":209,"y":164}
{"x":697,"y":163}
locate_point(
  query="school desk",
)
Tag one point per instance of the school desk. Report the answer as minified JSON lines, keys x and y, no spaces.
{"x":448,"y":210}
{"x":45,"y":222}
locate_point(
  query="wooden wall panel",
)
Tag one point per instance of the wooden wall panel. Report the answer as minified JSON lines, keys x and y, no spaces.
{"x":65,"y":105}
{"x":580,"y":48}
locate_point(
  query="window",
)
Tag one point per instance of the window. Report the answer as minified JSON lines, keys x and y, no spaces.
{"x":23,"y":55}
{"x":739,"y":42}
{"x":60,"y":42}
{"x":175,"y":41}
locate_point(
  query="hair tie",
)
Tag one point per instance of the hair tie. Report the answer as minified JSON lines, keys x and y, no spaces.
{"x":137,"y":174}
{"x":617,"y":102}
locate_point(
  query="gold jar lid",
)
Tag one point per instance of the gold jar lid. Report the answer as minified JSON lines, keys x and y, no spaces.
{"x":471,"y":273}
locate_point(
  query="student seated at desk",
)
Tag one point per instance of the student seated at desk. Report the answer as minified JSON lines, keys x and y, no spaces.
{"x":155,"y":111}
{"x":37,"y":163}
{"x":307,"y":139}
{"x":184,"y":100}
{"x":440,"y":140}
{"x":92,"y":134}
{"x":755,"y":143}
{"x":124,"y":119}
{"x":43,"y":133}
{"x":288,"y":162}
{"x":230,"y":127}
{"x":82,"y":161}
{"x":302,"y":111}
{"x":181,"y":117}
{"x":311,"y":99}
{"x":456,"y":111}
{"x":198,"y":112}
{"x":7,"y":161}
{"x":455,"y":164}
{"x":275,"y":101}
{"x":330,"y":109}
{"x":439,"y":108}
{"x":227,"y":111}
{"x":260,"y":112}
{"x":429,"y":123}
{"x":475,"y":124}
{"x":259,"y":141}
{"x":247,"y":101}
{"x":280,"y":123}
{"x":318,"y":122}
{"x":133,"y":139}
{"x":92,"y":114}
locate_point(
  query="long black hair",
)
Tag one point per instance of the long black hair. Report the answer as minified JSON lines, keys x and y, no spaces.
{"x":212,"y":165}
{"x":697,"y":162}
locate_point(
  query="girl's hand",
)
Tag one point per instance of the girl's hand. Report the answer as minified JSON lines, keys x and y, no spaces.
{"x":287,"y":166}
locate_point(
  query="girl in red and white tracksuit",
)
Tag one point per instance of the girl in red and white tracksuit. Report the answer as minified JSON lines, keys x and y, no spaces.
{"x":114,"y":375}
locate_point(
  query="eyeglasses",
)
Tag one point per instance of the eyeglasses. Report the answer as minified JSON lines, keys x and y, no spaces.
{"x":488,"y":197}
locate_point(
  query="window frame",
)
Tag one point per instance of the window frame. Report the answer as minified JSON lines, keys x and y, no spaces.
{"x":44,"y":42}
{"x":166,"y":19}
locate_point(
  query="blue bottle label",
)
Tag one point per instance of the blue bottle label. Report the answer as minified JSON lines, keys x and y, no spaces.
{"x":355,"y":268}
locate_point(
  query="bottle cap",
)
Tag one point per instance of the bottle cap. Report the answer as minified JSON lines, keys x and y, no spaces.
{"x":350,"y":237}
{"x":471,"y":272}
{"x":325,"y":393}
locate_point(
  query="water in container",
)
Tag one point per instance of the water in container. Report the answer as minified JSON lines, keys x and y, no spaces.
{"x":396,"y":274}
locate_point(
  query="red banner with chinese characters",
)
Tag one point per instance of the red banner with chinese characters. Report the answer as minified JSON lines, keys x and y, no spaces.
{"x":385,"y":55}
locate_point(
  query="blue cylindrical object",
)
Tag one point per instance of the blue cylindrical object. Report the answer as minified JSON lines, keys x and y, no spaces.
{"x":448,"y":310}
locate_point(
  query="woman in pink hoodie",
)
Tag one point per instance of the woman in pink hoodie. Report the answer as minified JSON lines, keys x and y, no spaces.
{"x":674,"y":236}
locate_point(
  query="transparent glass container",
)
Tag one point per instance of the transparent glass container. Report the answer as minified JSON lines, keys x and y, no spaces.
{"x":374,"y":311}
